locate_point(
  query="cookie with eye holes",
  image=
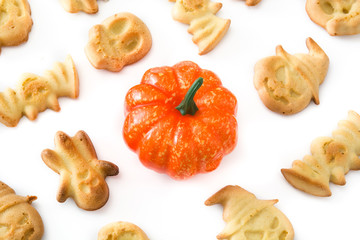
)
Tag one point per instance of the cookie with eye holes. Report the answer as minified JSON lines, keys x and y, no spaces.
{"x":121,"y":231}
{"x":120,"y":40}
{"x":338,"y":17}
{"x":82,"y":175}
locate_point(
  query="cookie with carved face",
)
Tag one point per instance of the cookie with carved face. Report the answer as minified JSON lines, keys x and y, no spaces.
{"x":338,"y":17}
{"x":15,"y":22}
{"x":120,"y":40}
{"x":18,"y":219}
{"x":82,"y":175}
{"x":249,"y":218}
{"x":122,"y":231}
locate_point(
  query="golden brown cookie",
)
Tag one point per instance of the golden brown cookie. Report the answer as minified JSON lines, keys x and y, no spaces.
{"x":120,"y":40}
{"x":74,"y":6}
{"x":35,"y":94}
{"x":15,"y":22}
{"x":252,"y":2}
{"x":82,"y":175}
{"x":207,"y":29}
{"x":287,"y":83}
{"x":18,"y":219}
{"x":249,"y":218}
{"x":331,"y":158}
{"x":338,"y":17}
{"x":121,"y":231}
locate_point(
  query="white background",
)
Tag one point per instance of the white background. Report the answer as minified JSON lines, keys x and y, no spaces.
{"x":164,"y":208}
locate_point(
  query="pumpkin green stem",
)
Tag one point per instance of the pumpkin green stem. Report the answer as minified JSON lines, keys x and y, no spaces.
{"x":188,"y":106}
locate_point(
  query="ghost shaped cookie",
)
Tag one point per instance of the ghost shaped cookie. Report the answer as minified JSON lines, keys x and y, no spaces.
{"x":331,"y":158}
{"x":121,"y":230}
{"x":207,"y":29}
{"x":74,"y":6}
{"x":120,"y":40}
{"x":82,"y":175}
{"x":15,"y":22}
{"x":287,"y":83}
{"x":249,"y":218}
{"x":18,"y":219}
{"x":338,"y":17}
{"x":35,"y":94}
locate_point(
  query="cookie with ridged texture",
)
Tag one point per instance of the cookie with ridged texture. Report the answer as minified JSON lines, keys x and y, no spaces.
{"x":337,"y":17}
{"x":74,"y":6}
{"x":207,"y":29}
{"x":120,"y":40}
{"x":287,"y":83}
{"x":15,"y":22}
{"x":34,"y":94}
{"x":121,"y":231}
{"x":249,"y":218}
{"x":18,"y":219}
{"x":331,"y":158}
{"x":82,"y":175}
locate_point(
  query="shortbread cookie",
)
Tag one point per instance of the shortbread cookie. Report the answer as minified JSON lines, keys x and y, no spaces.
{"x":121,"y":231}
{"x":35,"y":94}
{"x":82,"y":175}
{"x":249,"y":218}
{"x":338,"y":17}
{"x":18,"y":219}
{"x":15,"y":22}
{"x":120,"y":40}
{"x":287,"y":83}
{"x":252,"y":2}
{"x":331,"y":158}
{"x":74,"y":6}
{"x":207,"y":28}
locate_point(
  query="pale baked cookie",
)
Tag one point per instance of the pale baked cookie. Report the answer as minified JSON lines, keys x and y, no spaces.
{"x":331,"y":158}
{"x":207,"y":29}
{"x":82,"y":175}
{"x":121,"y":231}
{"x":18,"y":219}
{"x":287,"y":83}
{"x":74,"y":6}
{"x":249,"y":218}
{"x":35,"y":94}
{"x":252,"y":2}
{"x":338,"y":17}
{"x":120,"y":40}
{"x":15,"y":22}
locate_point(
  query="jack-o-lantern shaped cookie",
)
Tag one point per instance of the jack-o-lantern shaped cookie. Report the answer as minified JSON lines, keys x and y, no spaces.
{"x":338,"y":17}
{"x":15,"y":22}
{"x":18,"y":219}
{"x":120,"y":40}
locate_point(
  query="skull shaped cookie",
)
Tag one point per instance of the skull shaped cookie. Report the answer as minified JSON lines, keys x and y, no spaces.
{"x":249,"y":218}
{"x":18,"y":219}
{"x":287,"y":83}
{"x":120,"y":40}
{"x":82,"y":174}
{"x":338,"y":17}
{"x":15,"y":22}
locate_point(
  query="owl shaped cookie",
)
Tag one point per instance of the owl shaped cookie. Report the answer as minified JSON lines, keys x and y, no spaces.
{"x":82,"y":175}
{"x":18,"y":219}
{"x":338,"y":17}
{"x":15,"y":22}
{"x":74,"y":6}
{"x":207,"y":29}
{"x":120,"y":40}
{"x":287,"y":83}
{"x":34,"y":94}
{"x":249,"y":218}
{"x":331,"y":158}
{"x":121,"y":231}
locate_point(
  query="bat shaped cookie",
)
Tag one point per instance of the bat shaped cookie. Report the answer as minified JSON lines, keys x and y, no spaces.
{"x":82,"y":175}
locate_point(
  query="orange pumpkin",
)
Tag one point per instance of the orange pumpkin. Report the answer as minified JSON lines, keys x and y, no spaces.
{"x":180,"y":120}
